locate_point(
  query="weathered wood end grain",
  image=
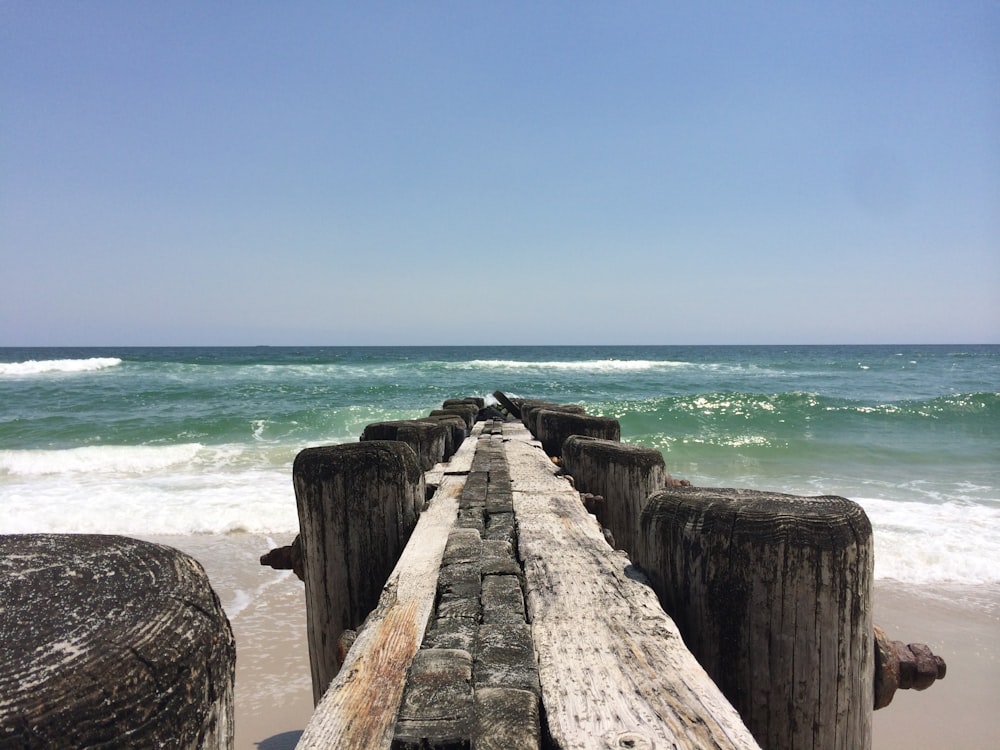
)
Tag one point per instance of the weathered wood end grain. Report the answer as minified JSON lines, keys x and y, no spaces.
{"x":112,"y":642}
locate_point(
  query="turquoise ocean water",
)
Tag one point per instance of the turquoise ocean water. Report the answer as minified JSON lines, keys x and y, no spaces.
{"x":161,"y":441}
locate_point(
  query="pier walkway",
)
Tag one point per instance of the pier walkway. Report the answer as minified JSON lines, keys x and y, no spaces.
{"x":509,"y":622}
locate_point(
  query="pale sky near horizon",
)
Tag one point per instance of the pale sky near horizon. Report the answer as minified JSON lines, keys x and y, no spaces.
{"x":182,"y":173}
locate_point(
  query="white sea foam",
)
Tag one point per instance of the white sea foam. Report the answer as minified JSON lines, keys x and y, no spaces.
{"x":38,"y":367}
{"x":590,"y":365}
{"x":97,"y":459}
{"x":928,"y":543}
{"x":185,"y":489}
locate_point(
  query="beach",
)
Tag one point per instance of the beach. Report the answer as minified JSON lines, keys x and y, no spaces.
{"x":274,"y":689}
{"x":193,"y":447}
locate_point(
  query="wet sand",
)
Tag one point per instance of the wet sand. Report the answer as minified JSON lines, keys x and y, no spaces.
{"x":274,"y":690}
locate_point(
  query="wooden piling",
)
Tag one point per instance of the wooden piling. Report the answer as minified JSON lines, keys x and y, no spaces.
{"x":622,"y":473}
{"x":529,"y":414}
{"x":772,"y":594}
{"x":427,"y":438}
{"x":468,"y":412}
{"x":457,"y":431}
{"x":553,"y":427}
{"x":357,"y":505}
{"x":110,"y":641}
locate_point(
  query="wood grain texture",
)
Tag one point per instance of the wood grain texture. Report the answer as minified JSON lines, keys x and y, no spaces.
{"x":357,"y":505}
{"x":359,"y":708}
{"x":112,"y":642}
{"x":772,"y":593}
{"x":613,"y":669}
{"x":623,"y":474}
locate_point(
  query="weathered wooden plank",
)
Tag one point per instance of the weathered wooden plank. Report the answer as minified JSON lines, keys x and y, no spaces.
{"x":512,"y":408}
{"x":506,"y":719}
{"x":460,"y":462}
{"x":613,"y":669}
{"x":359,"y":708}
{"x":437,"y":708}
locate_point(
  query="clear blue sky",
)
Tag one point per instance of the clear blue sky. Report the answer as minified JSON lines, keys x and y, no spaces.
{"x":477,"y":173}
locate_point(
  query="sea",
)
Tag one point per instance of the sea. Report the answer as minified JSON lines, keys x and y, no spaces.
{"x":199,"y":442}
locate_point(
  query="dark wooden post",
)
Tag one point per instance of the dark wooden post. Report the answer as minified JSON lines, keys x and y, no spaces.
{"x":467,"y":411}
{"x":456,"y":427}
{"x":478,"y":401}
{"x":428,"y":439}
{"x":528,"y":407}
{"x":110,"y":641}
{"x":553,"y":427}
{"x":623,"y":474}
{"x":772,"y":594}
{"x":357,"y":505}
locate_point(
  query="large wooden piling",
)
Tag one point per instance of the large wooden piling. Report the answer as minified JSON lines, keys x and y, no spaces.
{"x":107,"y":641}
{"x":772,"y":593}
{"x":357,"y":506}
{"x":621,"y":473}
{"x":553,"y":427}
{"x":429,"y":439}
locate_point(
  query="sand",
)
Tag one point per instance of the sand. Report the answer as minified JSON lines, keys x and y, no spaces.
{"x":274,"y":690}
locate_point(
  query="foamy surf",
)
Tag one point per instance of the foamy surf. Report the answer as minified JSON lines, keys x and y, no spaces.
{"x":592,"y":365}
{"x":98,"y":459}
{"x":39,"y":367}
{"x":926,"y":543}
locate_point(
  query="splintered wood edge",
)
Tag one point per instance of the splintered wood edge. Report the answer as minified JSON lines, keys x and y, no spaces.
{"x":359,"y":708}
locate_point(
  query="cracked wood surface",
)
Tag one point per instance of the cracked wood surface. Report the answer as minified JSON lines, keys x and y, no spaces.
{"x":614,"y":671}
{"x":359,"y":707}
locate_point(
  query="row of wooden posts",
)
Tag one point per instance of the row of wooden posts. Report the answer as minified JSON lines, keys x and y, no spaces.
{"x":771,"y":592}
{"x":110,"y":640}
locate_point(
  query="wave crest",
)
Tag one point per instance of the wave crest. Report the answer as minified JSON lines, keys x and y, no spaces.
{"x":110,"y":459}
{"x":38,"y":367}
{"x":586,"y":365}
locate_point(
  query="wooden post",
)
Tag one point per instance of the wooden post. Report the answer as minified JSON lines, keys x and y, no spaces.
{"x":530,"y":405}
{"x":555,"y":426}
{"x":357,"y":505}
{"x":530,"y":409}
{"x":478,"y":401}
{"x":623,"y":474}
{"x":468,"y":412}
{"x":110,"y":641}
{"x":772,"y":594}
{"x":428,"y":439}
{"x":457,"y":431}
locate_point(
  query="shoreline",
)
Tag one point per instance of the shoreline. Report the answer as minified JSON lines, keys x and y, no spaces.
{"x":266,"y":609}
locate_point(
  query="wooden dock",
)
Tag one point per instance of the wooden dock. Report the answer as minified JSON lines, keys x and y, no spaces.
{"x":721,"y":618}
{"x":508,"y":607}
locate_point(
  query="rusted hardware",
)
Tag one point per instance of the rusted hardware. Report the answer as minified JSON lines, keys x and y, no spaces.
{"x":286,"y":558}
{"x":900,"y":666}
